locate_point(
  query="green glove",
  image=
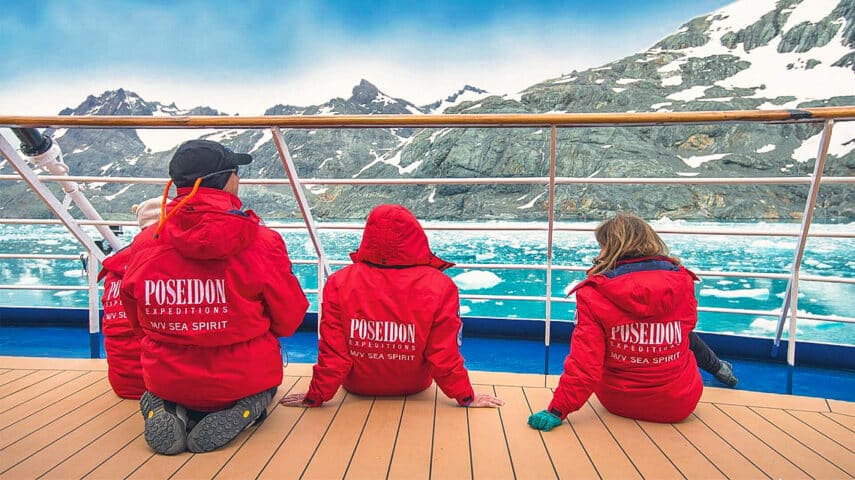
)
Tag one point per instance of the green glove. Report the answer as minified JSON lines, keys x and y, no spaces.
{"x":543,"y":420}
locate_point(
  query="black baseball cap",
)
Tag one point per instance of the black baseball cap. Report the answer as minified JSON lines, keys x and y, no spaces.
{"x":204,"y":159}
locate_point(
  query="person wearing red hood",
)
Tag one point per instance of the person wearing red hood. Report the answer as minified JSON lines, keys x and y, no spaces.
{"x":634,"y":319}
{"x":211,"y":295}
{"x":121,"y":343}
{"x":390,"y":322}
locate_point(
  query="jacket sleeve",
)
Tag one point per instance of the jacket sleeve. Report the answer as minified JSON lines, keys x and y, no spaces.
{"x":334,"y":362}
{"x":583,"y":367}
{"x":443,"y":352}
{"x":284,"y":298}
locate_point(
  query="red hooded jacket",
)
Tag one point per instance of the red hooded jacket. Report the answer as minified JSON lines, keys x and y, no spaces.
{"x":121,"y":343}
{"x":212,"y":294}
{"x":390,"y":321}
{"x":631,"y":343}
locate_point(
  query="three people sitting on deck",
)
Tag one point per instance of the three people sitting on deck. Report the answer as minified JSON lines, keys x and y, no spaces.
{"x":211,"y":289}
{"x":390,"y":322}
{"x":635,"y":313}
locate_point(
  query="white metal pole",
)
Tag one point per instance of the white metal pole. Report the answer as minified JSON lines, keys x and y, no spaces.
{"x":792,"y":291}
{"x":94,"y":311}
{"x":553,"y":140}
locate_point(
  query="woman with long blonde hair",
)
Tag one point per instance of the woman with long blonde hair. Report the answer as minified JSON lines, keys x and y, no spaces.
{"x":633,"y":340}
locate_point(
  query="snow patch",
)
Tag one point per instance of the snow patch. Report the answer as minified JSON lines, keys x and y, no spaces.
{"x":765,"y":148}
{"x":697,"y":161}
{"x":531,"y":203}
{"x":689,"y":94}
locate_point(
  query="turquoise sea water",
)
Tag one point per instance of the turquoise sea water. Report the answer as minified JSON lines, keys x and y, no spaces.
{"x":725,"y":253}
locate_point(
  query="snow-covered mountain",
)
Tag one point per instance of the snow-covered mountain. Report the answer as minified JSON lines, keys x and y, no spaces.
{"x":753,"y":54}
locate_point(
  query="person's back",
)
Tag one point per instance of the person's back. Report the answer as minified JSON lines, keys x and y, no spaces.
{"x":389,"y":314}
{"x":208,"y":339}
{"x":390,"y":322}
{"x":646,"y":315}
{"x":634,"y":316}
{"x":211,"y":295}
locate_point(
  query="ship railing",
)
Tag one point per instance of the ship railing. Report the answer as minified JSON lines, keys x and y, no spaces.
{"x":827,"y":116}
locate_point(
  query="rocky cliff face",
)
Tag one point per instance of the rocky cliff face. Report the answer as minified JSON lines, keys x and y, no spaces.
{"x":756,"y":54}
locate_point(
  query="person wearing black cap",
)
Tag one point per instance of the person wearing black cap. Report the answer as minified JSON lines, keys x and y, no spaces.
{"x":211,"y":295}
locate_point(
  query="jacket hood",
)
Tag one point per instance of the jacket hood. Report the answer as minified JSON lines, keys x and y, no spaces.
{"x":644,"y":291}
{"x":115,"y":263}
{"x":394,"y":238}
{"x":210,"y":225}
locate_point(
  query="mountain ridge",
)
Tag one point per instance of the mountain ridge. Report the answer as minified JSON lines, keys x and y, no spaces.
{"x":750,"y":55}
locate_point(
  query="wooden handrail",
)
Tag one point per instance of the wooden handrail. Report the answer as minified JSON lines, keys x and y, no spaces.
{"x":489,"y":120}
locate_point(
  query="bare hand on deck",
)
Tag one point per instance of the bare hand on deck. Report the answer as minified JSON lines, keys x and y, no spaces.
{"x":484,"y":400}
{"x":293,"y":400}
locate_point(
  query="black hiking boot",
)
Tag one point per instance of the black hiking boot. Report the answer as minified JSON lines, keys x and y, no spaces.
{"x":219,"y":428}
{"x":725,"y":375}
{"x":165,"y":424}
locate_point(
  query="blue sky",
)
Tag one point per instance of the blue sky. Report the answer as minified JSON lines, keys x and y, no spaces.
{"x":243,"y":57}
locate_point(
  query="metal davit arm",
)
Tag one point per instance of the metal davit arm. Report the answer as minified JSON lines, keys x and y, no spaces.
{"x":792,"y":293}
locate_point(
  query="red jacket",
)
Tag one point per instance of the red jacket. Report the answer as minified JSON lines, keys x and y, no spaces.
{"x":631,"y":343}
{"x":212,"y":294}
{"x":121,"y":343}
{"x":390,"y":322}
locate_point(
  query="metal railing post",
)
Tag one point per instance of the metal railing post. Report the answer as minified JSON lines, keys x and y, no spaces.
{"x":305,"y":209}
{"x":553,"y":140}
{"x":792,"y":292}
{"x":93,"y":265}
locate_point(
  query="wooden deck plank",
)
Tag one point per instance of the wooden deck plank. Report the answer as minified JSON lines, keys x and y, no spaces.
{"x":568,"y":455}
{"x":808,"y":436}
{"x":295,"y":452}
{"x":451,"y":454}
{"x":41,"y":402}
{"x":39,"y":363}
{"x":728,"y":396}
{"x":38,"y":462}
{"x":411,"y":458}
{"x":17,"y":429}
{"x":605,"y":452}
{"x":333,"y":455}
{"x":160,"y":466}
{"x":23,"y":383}
{"x":802,"y":457}
{"x":12,"y":375}
{"x":99,"y":450}
{"x":488,"y":444}
{"x":828,"y":427}
{"x":374,"y":452}
{"x":845,"y":408}
{"x":845,"y":420}
{"x":125,"y":461}
{"x":64,"y":425}
{"x":719,"y":452}
{"x":253,"y":455}
{"x":527,"y":449}
{"x":744,"y":440}
{"x":688,"y":459}
{"x":82,"y":430}
{"x":35,"y":391}
{"x":642,"y":452}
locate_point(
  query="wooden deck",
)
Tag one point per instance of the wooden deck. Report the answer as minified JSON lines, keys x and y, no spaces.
{"x":61,"y":420}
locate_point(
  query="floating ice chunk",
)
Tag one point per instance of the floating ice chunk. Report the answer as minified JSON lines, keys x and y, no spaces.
{"x":464,"y":309}
{"x":476,"y":280}
{"x":756,"y":293}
